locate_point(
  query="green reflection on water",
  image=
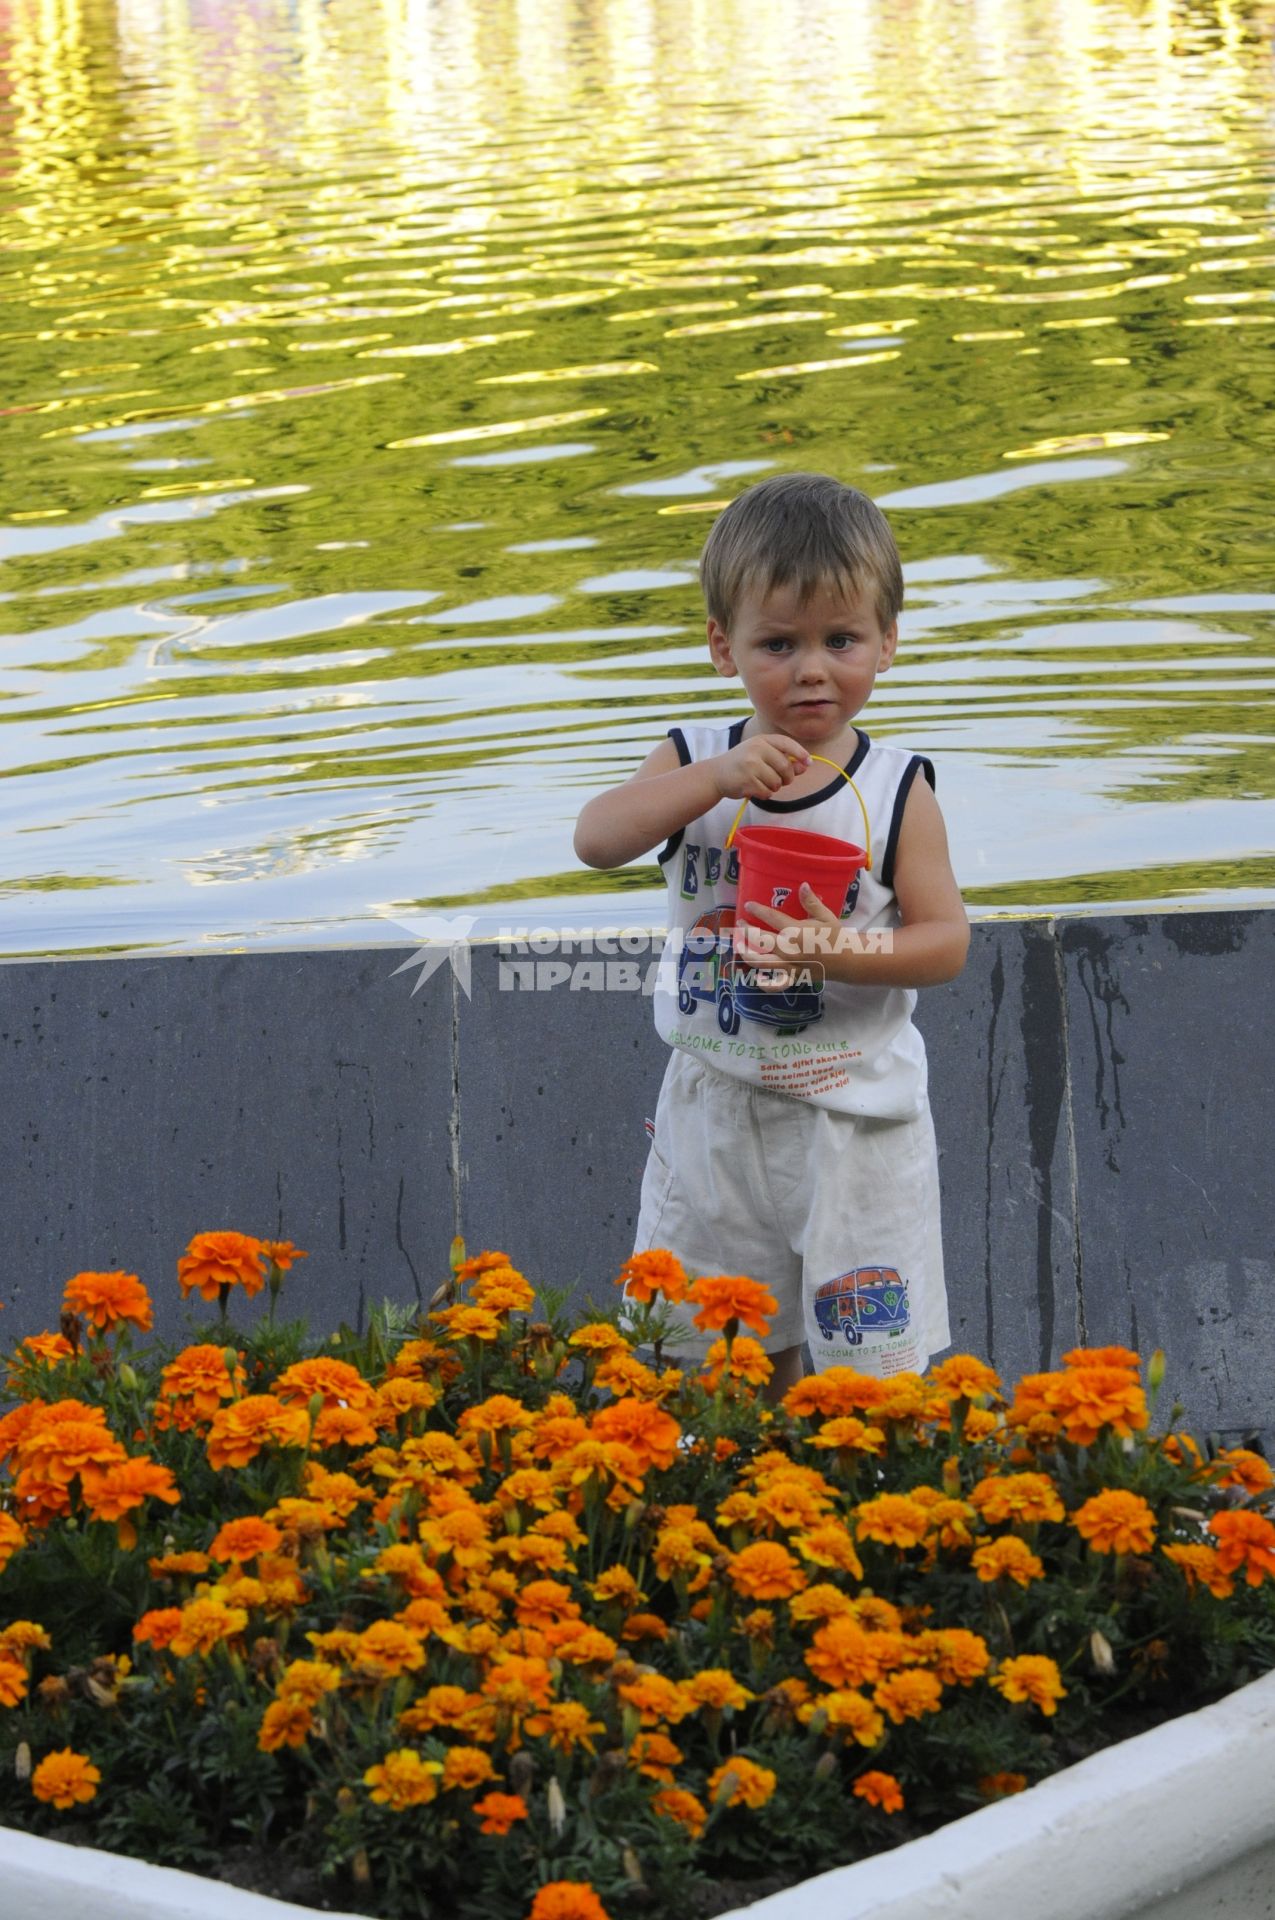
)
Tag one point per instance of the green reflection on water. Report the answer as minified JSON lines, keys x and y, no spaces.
{"x":375,"y":372}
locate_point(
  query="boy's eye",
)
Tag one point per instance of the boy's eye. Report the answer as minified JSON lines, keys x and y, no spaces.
{"x":840,"y":641}
{"x":776,"y":645}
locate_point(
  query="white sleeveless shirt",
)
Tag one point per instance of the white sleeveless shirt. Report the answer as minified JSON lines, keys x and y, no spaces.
{"x":851,"y":1048}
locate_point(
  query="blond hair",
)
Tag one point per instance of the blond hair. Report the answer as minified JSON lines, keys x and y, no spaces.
{"x":802,"y":529}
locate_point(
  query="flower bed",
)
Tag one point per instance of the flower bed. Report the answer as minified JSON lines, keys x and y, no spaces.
{"x":489,"y":1613}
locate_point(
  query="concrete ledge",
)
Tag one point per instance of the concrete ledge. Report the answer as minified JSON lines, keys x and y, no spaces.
{"x":1177,"y":1824}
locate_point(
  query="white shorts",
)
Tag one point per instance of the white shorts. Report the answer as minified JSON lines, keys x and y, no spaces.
{"x":837,"y":1213}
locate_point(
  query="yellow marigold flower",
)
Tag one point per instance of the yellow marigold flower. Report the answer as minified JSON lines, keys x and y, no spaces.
{"x":467,"y":1767}
{"x":998,"y":1786}
{"x":675,"y":1803}
{"x":716,"y":1688}
{"x":725,"y":1300}
{"x":216,"y":1260}
{"x":204,"y":1623}
{"x":24,"y":1636}
{"x":740,"y":1782}
{"x":66,"y":1779}
{"x":245,"y":1539}
{"x":879,"y":1790}
{"x":1245,"y":1541}
{"x":617,"y":1584}
{"x":906,"y":1696}
{"x":108,"y":1300}
{"x":981,"y":1423}
{"x":655,"y":1755}
{"x":1020,"y":1498}
{"x":308,"y":1681}
{"x":965,"y":1378}
{"x":829,"y":1545}
{"x":390,"y":1648}
{"x":469,"y":1323}
{"x":404,"y":1780}
{"x":339,"y":1643}
{"x":1116,"y":1521}
{"x":789,"y":1502}
{"x":846,"y":1712}
{"x":498,"y":1811}
{"x":894,"y":1519}
{"x":849,"y":1433}
{"x":286,"y":1722}
{"x":823,"y":1601}
{"x":598,"y":1336}
{"x":504,"y":1290}
{"x":1007,"y":1558}
{"x":567,"y":1900}
{"x":1200,"y":1563}
{"x":765,"y":1571}
{"x":1030,"y":1676}
{"x":644,"y":1275}
{"x":14,"y":1679}
{"x":567,"y":1724}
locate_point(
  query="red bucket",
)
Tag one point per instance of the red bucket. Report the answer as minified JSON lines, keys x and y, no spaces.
{"x":774,"y":863}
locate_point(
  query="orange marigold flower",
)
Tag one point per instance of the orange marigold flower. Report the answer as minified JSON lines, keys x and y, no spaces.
{"x":111,"y":1492}
{"x":836,"y":1390}
{"x":108,"y":1300}
{"x":716,"y":1688}
{"x":765,"y":1571}
{"x":245,"y":1539}
{"x":1007,"y":1558}
{"x":204,"y":1623}
{"x":469,"y":1323}
{"x":1243,"y":1468}
{"x":45,"y":1349}
{"x":340,"y":1384}
{"x":998,"y":1786}
{"x":216,"y":1260}
{"x":965,"y":1378}
{"x":404,"y":1780}
{"x":748,"y":1360}
{"x":160,"y":1626}
{"x":499,"y":1413}
{"x":894,"y":1519}
{"x":389,"y":1648}
{"x":466,"y":1768}
{"x":65,"y":1779}
{"x":848,"y":1431}
{"x":193,"y":1386}
{"x":656,"y":1698}
{"x":1020,"y":1498}
{"x":1116,"y":1521}
{"x":240,"y":1431}
{"x":285,"y":1723}
{"x":567,"y":1900}
{"x":59,"y":1441}
{"x":644,"y":1626}
{"x":344,"y":1427}
{"x":479,"y":1263}
{"x":504,"y":1290}
{"x":655,"y":1755}
{"x":846,"y":1712}
{"x":740,"y":1782}
{"x":726,"y":1300}
{"x":955,"y":1654}
{"x":617,"y":1584}
{"x":829,"y":1545}
{"x":12,"y":1536}
{"x":879,"y":1790}
{"x":308,"y":1681}
{"x":649,"y":1433}
{"x":1030,"y":1676}
{"x":1102,"y":1357}
{"x":499,"y":1811}
{"x":567,"y":1724}
{"x":14,"y":1680}
{"x":1201,"y":1563}
{"x":24,"y":1636}
{"x":1245,"y":1541}
{"x":675,"y":1803}
{"x":644,"y":1275}
{"x":906,"y":1696}
{"x":598,"y":1336}
{"x":845,"y":1653}
{"x":282,"y":1253}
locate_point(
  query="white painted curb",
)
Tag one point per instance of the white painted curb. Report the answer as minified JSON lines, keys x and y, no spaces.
{"x":1119,"y":1835}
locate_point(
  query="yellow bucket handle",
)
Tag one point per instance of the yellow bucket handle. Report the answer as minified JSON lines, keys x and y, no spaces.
{"x":867,"y":830}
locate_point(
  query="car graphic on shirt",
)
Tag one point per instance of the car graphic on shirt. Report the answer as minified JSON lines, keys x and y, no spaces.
{"x":865,"y":1300}
{"x":707,"y":971}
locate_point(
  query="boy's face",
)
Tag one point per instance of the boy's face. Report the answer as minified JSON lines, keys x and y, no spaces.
{"x":808,"y":667}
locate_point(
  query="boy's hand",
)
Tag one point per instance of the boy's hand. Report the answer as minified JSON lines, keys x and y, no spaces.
{"x":806,"y":941}
{"x":758,"y":767}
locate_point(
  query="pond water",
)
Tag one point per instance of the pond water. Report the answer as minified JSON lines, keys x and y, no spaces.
{"x":374,"y":370}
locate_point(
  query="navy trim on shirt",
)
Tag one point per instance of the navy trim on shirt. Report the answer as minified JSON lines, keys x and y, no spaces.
{"x":672,"y":844}
{"x":918,"y":763}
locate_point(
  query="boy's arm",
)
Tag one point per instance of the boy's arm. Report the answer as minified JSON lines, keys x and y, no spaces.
{"x":664,"y":796}
{"x":932,"y":942}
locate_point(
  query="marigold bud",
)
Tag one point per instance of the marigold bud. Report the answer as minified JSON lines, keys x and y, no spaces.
{"x":22,"y":1762}
{"x":825,"y":1765}
{"x":1155,"y":1370}
{"x":361,"y":1868}
{"x":128,"y":1376}
{"x":1100,"y":1653}
{"x":632,"y":1867}
{"x":556,"y":1805}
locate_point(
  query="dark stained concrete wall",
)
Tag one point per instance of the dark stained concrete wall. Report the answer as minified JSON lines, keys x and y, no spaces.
{"x":1101,"y":1089}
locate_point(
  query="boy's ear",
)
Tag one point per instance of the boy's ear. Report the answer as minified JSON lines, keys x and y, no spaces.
{"x":889,"y":646}
{"x":719,"y":648}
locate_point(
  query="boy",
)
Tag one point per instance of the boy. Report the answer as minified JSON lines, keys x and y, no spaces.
{"x":793,"y":1140}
